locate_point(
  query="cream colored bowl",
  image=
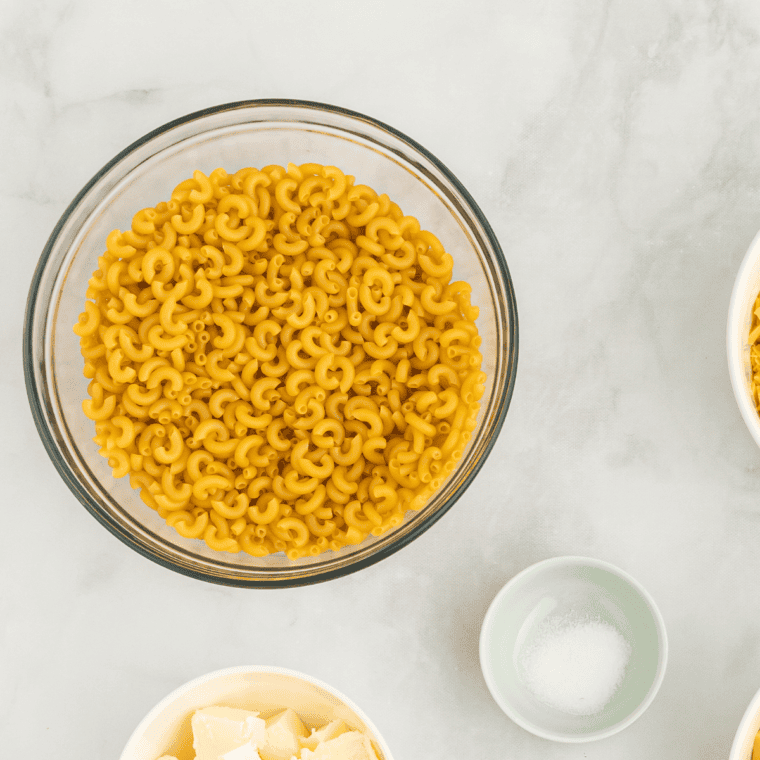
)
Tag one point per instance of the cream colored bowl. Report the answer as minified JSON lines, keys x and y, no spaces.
{"x":166,"y":728}
{"x":746,"y":288}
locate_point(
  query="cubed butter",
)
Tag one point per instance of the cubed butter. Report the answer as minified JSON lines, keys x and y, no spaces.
{"x":352,"y":745}
{"x":246,"y":752}
{"x":324,"y":734}
{"x":283,"y":732}
{"x":219,"y":730}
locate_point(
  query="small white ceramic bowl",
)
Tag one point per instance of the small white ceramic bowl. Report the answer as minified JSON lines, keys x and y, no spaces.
{"x":166,"y":728}
{"x":746,"y":288}
{"x":579,"y":586}
{"x":744,"y":739}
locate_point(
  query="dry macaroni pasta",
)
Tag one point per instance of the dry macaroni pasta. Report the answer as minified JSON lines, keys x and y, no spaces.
{"x":754,"y":353}
{"x":279,"y":360}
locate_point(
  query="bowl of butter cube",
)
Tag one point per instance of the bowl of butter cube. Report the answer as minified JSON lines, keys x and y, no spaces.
{"x":256,"y":713}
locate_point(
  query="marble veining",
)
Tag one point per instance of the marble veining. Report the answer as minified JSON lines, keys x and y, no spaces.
{"x":615,"y":148}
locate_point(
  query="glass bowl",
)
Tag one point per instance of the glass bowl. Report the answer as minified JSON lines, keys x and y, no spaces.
{"x":251,"y":133}
{"x":268,"y":690}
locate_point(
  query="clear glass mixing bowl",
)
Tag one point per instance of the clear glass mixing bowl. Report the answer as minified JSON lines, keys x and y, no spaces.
{"x":251,"y":133}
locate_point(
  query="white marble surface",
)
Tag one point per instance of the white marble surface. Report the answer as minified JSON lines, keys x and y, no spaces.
{"x":615,"y":148}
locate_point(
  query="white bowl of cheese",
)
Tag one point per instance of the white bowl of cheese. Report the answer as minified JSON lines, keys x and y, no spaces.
{"x":739,"y":338}
{"x":252,"y":712}
{"x":747,"y":737}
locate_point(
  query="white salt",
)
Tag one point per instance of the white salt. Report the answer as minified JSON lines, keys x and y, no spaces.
{"x":574,"y":664}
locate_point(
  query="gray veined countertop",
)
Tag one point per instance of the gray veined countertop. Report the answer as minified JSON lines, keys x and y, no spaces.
{"x":615,"y":149}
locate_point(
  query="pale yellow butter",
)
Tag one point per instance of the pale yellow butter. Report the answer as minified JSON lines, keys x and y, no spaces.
{"x":283,"y":734}
{"x":351,"y":745}
{"x":245,"y":752}
{"x":324,"y":734}
{"x":219,"y":730}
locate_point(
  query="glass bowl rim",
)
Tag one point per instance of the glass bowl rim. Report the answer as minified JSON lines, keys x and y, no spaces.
{"x":52,"y":448}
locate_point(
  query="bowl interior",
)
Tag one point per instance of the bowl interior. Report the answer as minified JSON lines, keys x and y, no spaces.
{"x":560,"y":588}
{"x":145,"y":175}
{"x":166,"y":729}
{"x":746,"y":289}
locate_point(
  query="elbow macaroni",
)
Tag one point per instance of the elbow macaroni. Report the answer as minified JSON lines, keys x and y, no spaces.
{"x":279,"y":360}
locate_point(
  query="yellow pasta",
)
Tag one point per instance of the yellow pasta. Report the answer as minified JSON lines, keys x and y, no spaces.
{"x":279,"y":360}
{"x":754,"y":352}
